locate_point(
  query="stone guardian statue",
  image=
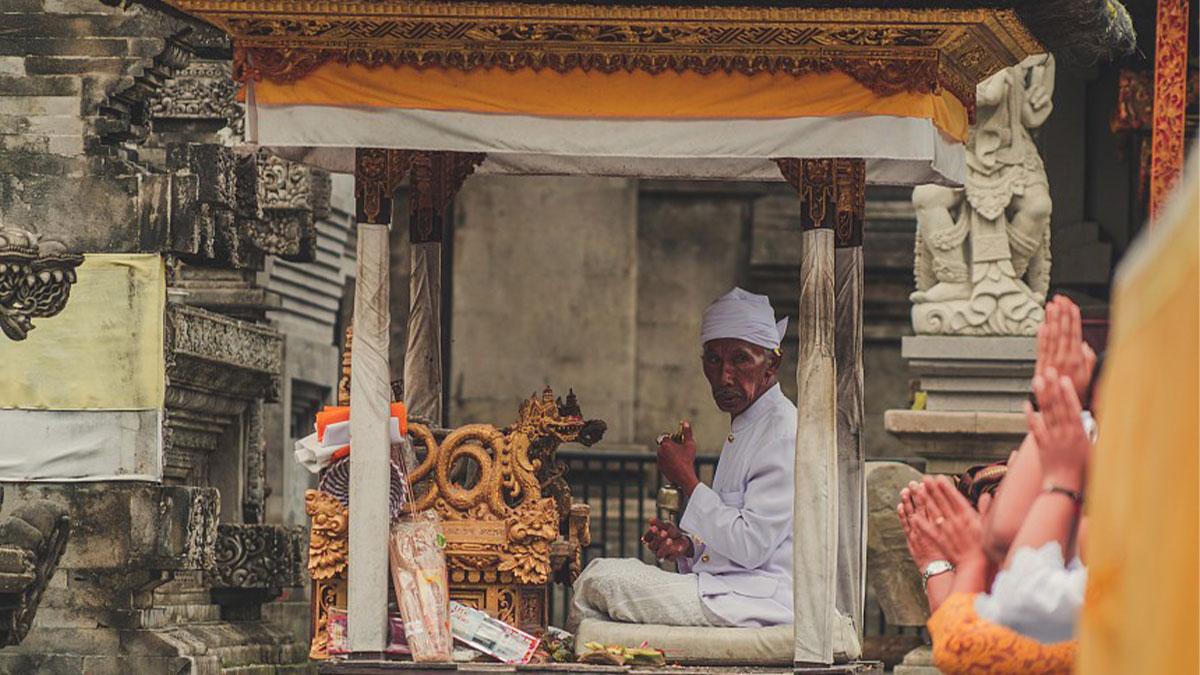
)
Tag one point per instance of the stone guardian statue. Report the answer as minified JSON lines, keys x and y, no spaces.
{"x":982,"y":262}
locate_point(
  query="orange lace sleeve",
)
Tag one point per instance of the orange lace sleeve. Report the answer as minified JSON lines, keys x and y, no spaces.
{"x":965,"y":644}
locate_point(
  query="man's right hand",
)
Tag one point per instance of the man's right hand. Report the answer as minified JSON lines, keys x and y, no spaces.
{"x":667,"y":541}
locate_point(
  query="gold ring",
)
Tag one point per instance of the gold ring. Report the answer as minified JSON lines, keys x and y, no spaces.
{"x":939,"y":520}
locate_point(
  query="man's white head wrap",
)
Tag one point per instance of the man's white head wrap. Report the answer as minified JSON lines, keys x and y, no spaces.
{"x":744,"y":316}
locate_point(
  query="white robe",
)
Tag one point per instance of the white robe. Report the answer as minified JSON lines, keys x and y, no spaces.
{"x":742,"y":525}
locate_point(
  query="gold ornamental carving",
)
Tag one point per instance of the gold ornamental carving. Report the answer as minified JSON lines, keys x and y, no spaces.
{"x":1170,"y":101}
{"x":888,"y":50}
{"x":511,"y":517}
{"x":506,"y":510}
{"x":328,"y":544}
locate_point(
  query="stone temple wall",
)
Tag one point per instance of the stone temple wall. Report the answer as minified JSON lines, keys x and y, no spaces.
{"x":116,"y":137}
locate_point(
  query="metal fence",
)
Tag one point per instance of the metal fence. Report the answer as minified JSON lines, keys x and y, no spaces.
{"x":620,"y":487}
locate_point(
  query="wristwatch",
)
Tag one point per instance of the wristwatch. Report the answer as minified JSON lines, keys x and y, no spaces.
{"x":934,"y":568}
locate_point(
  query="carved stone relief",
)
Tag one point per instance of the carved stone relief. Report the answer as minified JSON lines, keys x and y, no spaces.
{"x":203,"y":90}
{"x":32,"y":541}
{"x":231,"y":211}
{"x":35,"y":280}
{"x":983,"y":251}
{"x":267,"y":557}
{"x":220,"y":369}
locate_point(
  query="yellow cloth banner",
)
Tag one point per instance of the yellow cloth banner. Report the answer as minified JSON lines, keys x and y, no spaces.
{"x":104,"y":351}
{"x":1143,"y":552}
{"x":632,"y":95}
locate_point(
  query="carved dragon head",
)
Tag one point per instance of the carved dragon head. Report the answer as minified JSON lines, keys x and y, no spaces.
{"x":546,"y":418}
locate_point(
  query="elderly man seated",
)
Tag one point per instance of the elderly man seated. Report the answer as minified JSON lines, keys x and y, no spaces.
{"x":734,"y":551}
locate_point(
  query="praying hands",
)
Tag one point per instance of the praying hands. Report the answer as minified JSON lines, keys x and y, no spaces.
{"x":1061,"y":345}
{"x":1063,"y":445}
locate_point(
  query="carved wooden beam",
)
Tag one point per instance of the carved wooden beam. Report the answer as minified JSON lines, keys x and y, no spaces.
{"x":888,"y":50}
{"x":377,"y":174}
{"x":834,"y":194}
{"x":436,"y":178}
{"x":1170,"y":100}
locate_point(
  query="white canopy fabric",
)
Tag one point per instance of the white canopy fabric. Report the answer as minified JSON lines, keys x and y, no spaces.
{"x":898,"y":150}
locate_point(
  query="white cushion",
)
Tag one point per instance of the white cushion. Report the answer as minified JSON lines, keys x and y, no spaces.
{"x":774,"y":645}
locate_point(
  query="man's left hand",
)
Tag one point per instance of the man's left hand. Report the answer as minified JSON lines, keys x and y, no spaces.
{"x":667,"y":541}
{"x":677,"y":461}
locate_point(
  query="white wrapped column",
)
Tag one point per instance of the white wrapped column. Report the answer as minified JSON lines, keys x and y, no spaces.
{"x":848,"y":334}
{"x":370,"y":396}
{"x":827,"y":531}
{"x":815,"y":524}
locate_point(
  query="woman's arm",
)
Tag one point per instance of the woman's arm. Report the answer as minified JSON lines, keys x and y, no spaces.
{"x":1014,"y":498}
{"x":1063,"y":448}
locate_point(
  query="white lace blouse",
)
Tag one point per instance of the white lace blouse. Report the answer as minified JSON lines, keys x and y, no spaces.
{"x":1038,"y":595}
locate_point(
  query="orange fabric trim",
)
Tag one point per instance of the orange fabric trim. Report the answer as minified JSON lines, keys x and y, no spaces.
{"x":330,"y":415}
{"x":636,"y":94}
{"x":964,"y":643}
{"x":334,"y":414}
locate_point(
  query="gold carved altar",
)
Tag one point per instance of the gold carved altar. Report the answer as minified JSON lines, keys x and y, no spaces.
{"x":511,"y":528}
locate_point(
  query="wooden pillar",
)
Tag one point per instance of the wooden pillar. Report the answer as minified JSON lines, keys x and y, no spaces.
{"x":848,"y":349}
{"x":1170,"y":100}
{"x":436,"y":178}
{"x":827,"y":551}
{"x":370,"y":395}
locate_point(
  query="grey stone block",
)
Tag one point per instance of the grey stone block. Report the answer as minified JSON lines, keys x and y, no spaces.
{"x":18,"y":6}
{"x":39,"y":105}
{"x":15,"y":582}
{"x":18,"y":163}
{"x":76,"y":641}
{"x":13,"y":663}
{"x":39,"y":85}
{"x":14,"y":559}
{"x":56,"y":25}
{"x":79,"y":7}
{"x":75,"y":65}
{"x":12,"y":65}
{"x":65,"y":47}
{"x":969,"y":348}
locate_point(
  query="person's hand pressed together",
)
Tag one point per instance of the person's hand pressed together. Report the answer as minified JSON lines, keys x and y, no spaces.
{"x":1061,"y":345}
{"x":956,"y":529}
{"x":667,"y":541}
{"x":1063,"y":445}
{"x":924,"y":549}
{"x":912,"y":509}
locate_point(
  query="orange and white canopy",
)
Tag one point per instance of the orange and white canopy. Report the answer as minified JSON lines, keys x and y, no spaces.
{"x":669,"y":124}
{"x":675,"y":90}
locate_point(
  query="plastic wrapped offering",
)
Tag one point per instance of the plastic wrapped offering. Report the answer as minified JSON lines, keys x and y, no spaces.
{"x":490,"y":636}
{"x":338,"y":643}
{"x":416,"y":549}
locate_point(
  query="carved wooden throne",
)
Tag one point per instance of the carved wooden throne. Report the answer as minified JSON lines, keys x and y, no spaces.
{"x":505,"y":507}
{"x":511,"y":528}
